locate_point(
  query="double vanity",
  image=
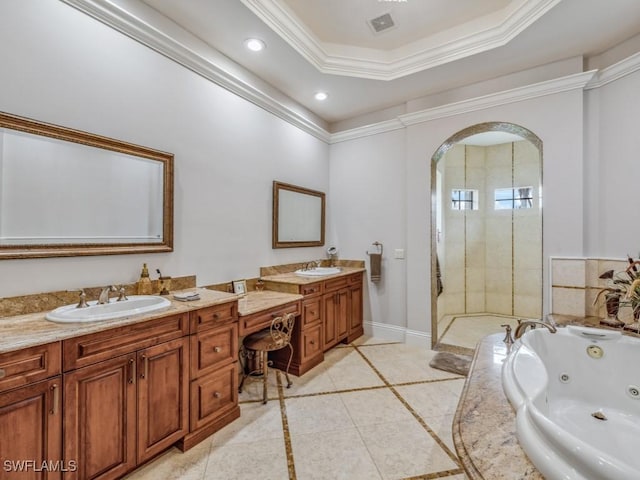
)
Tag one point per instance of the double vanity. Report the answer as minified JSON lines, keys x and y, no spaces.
{"x":97,"y":399}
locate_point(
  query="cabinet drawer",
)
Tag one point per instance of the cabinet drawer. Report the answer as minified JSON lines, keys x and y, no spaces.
{"x":312,"y":342}
{"x":29,"y":365}
{"x":213,"y":316}
{"x":355,"y":278}
{"x":213,"y":395}
{"x":100,"y":346}
{"x":311,"y":311}
{"x":258,"y":321}
{"x":212,"y":348}
{"x":335,"y":284}
{"x":311,"y":289}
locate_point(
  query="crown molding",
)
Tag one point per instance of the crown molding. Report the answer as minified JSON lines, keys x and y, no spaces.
{"x":192,"y":54}
{"x":563,"y":84}
{"x":616,"y":71}
{"x":367,"y":130}
{"x":389,"y":65}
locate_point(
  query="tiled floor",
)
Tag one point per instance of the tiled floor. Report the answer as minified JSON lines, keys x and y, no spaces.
{"x":466,"y":330}
{"x":371,"y":410}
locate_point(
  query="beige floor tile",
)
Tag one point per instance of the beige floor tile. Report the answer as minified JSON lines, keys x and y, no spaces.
{"x":466,"y":331}
{"x":321,"y":413}
{"x":442,"y":426}
{"x":369,"y":407}
{"x":403,"y":364}
{"x":316,"y":380}
{"x":349,"y":370}
{"x":248,"y":461}
{"x":404,"y":449}
{"x":176,"y":465}
{"x":257,"y":422}
{"x":436,"y":399}
{"x":335,"y":455}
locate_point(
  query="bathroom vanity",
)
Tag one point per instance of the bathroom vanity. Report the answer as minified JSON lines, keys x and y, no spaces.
{"x":164,"y":378}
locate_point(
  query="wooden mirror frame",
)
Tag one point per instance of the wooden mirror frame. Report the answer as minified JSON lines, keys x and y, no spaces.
{"x":280,"y":243}
{"x":34,"y":127}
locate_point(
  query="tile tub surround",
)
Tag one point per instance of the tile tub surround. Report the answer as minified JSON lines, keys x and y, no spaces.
{"x":32,"y":329}
{"x":44,"y":302}
{"x":371,"y":410}
{"x":575,"y":283}
{"x":484,"y":426}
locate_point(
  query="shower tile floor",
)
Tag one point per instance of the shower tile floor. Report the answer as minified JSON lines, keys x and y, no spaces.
{"x":371,"y":410}
{"x":466,"y":330}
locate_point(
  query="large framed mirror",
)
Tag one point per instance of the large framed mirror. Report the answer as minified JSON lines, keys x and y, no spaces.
{"x":298,"y":216}
{"x":66,"y":192}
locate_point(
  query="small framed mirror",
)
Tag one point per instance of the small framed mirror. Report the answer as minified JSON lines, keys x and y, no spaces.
{"x":65,"y":192}
{"x":298,"y":216}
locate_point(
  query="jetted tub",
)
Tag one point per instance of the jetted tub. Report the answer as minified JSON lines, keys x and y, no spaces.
{"x":577,"y":399}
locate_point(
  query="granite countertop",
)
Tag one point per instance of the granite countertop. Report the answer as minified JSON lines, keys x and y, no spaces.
{"x":24,"y":331}
{"x":254,"y":301}
{"x":484,"y":427}
{"x":292,"y":278}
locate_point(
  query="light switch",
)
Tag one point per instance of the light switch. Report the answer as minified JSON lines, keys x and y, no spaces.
{"x":398,"y":253}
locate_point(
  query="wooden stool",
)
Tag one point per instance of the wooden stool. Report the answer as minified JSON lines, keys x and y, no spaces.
{"x":276,"y":337}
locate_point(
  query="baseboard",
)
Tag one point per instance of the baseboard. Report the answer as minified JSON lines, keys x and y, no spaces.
{"x":394,"y":333}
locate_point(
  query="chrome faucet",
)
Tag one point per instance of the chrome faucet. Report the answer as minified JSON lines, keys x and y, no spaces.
{"x":104,"y":294}
{"x":523,"y":325}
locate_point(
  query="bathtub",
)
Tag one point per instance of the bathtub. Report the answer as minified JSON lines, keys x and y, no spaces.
{"x":577,"y":399}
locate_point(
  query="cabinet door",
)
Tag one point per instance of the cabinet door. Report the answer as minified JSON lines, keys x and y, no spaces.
{"x":342,"y":313}
{"x":100,"y":419}
{"x":355,"y":308}
{"x":31,"y":431}
{"x":329,"y":324}
{"x":163,"y":396}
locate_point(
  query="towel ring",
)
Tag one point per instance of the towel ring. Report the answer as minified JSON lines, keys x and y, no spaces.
{"x":378,"y":246}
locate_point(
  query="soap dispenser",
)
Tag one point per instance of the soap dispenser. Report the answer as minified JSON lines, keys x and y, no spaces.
{"x":144,"y":284}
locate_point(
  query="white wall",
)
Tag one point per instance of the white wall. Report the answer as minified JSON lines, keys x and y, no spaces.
{"x":368,"y":181}
{"x":612,"y":173}
{"x":61,"y":66}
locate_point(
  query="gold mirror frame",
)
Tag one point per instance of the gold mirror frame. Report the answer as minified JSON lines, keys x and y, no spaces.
{"x":314,"y":216}
{"x":34,"y":127}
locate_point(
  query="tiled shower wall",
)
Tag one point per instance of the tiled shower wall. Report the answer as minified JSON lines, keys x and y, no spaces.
{"x":491,"y":260}
{"x":575,"y":285}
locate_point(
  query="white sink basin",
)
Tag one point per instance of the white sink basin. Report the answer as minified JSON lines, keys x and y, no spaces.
{"x":318,"y":271}
{"x":135,"y":305}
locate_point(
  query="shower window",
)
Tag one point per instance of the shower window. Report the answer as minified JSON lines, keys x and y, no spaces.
{"x":464,"y":199}
{"x":513,"y":198}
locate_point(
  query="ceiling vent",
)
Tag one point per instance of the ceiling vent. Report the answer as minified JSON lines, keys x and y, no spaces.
{"x":382,"y":23}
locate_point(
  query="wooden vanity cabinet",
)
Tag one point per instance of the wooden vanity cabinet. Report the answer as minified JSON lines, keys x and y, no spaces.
{"x":213,"y":386}
{"x":331,"y":313}
{"x":30,"y":413}
{"x":342,"y":310}
{"x":123,"y":409}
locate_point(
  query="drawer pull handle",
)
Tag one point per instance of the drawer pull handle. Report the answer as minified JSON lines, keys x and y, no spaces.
{"x":312,"y":342}
{"x":132,"y":371}
{"x":217,"y":394}
{"x":216,"y":316}
{"x":55,"y":392}
{"x":217,"y":349}
{"x":3,"y":373}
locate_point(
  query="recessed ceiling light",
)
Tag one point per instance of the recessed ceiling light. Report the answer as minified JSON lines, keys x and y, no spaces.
{"x":254,"y":44}
{"x":321,"y":96}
